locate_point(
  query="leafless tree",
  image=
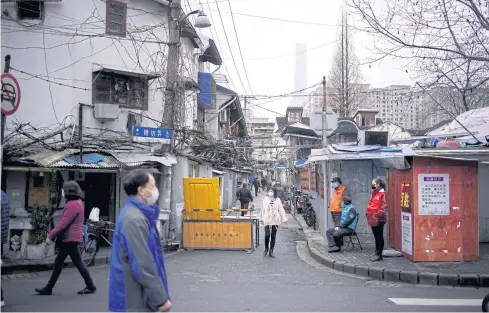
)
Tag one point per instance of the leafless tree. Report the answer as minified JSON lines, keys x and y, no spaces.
{"x":344,"y":77}
{"x":427,"y":29}
{"x":447,"y":41}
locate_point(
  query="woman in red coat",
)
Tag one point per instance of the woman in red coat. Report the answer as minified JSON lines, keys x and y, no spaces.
{"x":376,"y":216}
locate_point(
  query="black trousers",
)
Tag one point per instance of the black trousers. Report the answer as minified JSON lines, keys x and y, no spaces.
{"x":335,"y":237}
{"x":256,"y":191}
{"x":70,"y":249}
{"x":378,"y":232}
{"x":269,"y":234}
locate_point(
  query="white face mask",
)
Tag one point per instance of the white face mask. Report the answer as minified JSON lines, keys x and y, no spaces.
{"x":270,"y":194}
{"x":155,"y":194}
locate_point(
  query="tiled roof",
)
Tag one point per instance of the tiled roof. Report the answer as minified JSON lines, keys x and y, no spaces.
{"x":281,"y":122}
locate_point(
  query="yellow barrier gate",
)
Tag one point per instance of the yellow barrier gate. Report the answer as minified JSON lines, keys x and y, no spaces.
{"x":203,"y":226}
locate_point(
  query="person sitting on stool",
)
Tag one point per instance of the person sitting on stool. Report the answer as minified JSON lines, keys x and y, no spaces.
{"x":347,"y":224}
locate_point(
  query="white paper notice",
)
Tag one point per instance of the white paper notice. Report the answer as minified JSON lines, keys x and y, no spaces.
{"x":407,"y":233}
{"x":433,"y":194}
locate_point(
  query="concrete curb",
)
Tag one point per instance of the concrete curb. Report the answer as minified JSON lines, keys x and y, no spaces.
{"x":396,"y":275}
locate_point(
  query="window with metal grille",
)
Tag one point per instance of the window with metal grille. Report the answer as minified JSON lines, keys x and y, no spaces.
{"x":116,"y":18}
{"x":127,"y":91}
{"x":30,"y":10}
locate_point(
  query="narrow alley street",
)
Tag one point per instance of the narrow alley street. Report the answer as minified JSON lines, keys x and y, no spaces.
{"x":235,"y":281}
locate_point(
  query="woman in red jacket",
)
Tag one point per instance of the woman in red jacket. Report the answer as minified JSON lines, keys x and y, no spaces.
{"x":70,"y":231}
{"x":376,"y":216}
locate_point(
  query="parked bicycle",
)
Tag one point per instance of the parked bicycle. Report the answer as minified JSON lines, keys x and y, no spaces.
{"x":309,"y":214}
{"x":94,"y":234}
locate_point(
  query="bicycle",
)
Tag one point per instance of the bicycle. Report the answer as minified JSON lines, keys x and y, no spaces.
{"x":309,"y":214}
{"x":94,"y":232}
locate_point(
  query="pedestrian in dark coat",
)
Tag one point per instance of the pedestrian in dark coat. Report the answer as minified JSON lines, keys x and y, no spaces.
{"x":264,"y":184}
{"x":256,"y":184}
{"x":245,"y":197}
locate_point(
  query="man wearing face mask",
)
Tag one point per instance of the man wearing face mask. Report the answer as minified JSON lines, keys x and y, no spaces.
{"x":347,"y":224}
{"x":339,"y":191}
{"x":137,"y":280}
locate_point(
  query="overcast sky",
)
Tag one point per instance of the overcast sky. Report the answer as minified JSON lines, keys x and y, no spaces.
{"x":268,"y":45}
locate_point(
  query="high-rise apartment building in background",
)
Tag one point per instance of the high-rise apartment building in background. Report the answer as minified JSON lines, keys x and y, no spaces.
{"x":402,"y":105}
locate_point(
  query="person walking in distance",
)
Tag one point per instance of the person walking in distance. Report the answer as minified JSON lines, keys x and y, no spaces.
{"x":137,"y":278}
{"x":5,"y":225}
{"x":264,"y":184}
{"x":256,"y":184}
{"x":376,"y":216}
{"x":245,"y":197}
{"x":70,"y":230}
{"x":339,"y":191}
{"x":272,"y":215}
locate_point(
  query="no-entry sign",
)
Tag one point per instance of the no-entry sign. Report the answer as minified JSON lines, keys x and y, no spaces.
{"x":10,"y":94}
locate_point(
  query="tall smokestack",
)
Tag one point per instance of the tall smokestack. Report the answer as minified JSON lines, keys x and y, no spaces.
{"x":300,"y":79}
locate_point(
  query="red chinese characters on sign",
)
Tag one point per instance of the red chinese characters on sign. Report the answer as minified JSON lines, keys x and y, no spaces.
{"x":313,"y":179}
{"x":321,"y":184}
{"x":304,"y":178}
{"x":406,"y":197}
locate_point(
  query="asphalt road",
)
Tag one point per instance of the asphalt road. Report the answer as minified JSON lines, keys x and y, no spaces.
{"x":235,"y":281}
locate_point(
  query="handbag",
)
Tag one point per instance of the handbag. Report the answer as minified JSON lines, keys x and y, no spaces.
{"x":376,"y":219}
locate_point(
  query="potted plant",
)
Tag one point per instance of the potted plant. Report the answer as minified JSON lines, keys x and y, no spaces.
{"x":41,"y":224}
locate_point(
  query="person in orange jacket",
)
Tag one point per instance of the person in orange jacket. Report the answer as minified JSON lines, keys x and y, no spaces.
{"x":376,"y":216}
{"x":339,"y":190}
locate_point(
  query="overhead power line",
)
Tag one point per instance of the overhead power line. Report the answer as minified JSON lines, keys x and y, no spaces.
{"x":239,"y":47}
{"x":230,"y":50}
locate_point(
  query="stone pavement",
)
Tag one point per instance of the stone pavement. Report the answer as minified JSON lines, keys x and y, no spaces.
{"x":234,"y":281}
{"x":357,"y":261}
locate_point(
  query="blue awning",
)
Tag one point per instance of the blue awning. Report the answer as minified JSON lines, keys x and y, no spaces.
{"x":300,"y":162}
{"x":207,"y":86}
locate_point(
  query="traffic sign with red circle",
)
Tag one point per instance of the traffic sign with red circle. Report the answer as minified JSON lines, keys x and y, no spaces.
{"x":10,"y":94}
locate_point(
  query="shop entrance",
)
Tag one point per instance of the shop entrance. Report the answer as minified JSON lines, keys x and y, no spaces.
{"x":99,"y":191}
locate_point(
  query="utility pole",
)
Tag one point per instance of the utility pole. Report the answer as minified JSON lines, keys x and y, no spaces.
{"x":4,"y":118}
{"x":171,"y":105}
{"x":325,"y":116}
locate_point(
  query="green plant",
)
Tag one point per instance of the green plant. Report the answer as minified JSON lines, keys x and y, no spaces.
{"x":41,"y":224}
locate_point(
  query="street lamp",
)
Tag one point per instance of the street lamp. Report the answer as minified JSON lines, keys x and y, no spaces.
{"x":202,"y":21}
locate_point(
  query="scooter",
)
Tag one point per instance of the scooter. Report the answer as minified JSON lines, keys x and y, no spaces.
{"x":299,"y":200}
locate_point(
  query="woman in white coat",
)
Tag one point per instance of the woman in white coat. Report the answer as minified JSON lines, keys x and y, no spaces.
{"x":272,"y":215}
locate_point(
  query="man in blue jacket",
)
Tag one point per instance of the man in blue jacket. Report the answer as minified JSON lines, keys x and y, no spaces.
{"x":137,"y":280}
{"x":346,"y":226}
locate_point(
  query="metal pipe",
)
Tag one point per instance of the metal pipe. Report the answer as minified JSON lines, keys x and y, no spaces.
{"x":80,"y":130}
{"x":217,"y":69}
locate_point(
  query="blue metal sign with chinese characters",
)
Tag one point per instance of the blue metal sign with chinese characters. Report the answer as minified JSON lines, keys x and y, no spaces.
{"x":150,"y":134}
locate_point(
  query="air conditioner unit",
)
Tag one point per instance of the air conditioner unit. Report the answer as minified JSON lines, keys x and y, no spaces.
{"x":106,"y":112}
